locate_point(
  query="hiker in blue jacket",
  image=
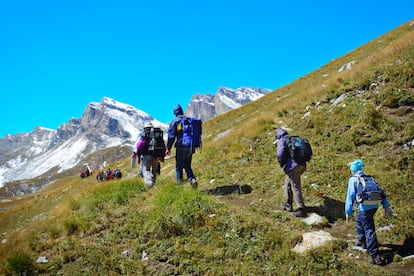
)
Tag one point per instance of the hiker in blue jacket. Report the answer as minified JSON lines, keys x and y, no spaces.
{"x":183,"y":153}
{"x":365,"y":226}
{"x":293,"y":171}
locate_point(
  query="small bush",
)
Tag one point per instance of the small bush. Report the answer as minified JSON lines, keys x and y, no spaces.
{"x":71,"y":225}
{"x":74,"y":205}
{"x":372,"y":117}
{"x":54,"y":232}
{"x":20,"y":264}
{"x":179,"y":210}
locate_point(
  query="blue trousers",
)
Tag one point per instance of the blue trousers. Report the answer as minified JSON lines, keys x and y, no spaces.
{"x":365,"y":228}
{"x":183,"y":158}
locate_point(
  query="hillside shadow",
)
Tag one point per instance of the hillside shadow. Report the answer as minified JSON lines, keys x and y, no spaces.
{"x":332,"y":209}
{"x":229,"y":189}
{"x":404,"y":250}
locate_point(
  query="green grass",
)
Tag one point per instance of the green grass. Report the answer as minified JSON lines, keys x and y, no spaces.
{"x":90,"y":228}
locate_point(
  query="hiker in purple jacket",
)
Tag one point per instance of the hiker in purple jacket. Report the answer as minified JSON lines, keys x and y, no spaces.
{"x":149,"y":165}
{"x":293,"y":171}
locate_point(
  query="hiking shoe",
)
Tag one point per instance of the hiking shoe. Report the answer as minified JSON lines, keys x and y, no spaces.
{"x":376,"y":260}
{"x":300,"y":213}
{"x":194,"y":183}
{"x":361,"y":244}
{"x":287,"y":207}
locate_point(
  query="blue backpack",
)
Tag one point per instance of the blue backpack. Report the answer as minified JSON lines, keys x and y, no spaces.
{"x":192,"y":130}
{"x":368,"y":190}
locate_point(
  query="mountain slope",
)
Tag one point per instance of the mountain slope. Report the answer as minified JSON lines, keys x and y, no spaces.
{"x":365,"y":111}
{"x":49,"y":153}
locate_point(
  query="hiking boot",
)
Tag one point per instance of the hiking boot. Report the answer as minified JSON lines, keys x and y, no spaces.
{"x":376,"y":260}
{"x":287,"y":207}
{"x":361,"y":244}
{"x":300,"y":213}
{"x":194,"y":183}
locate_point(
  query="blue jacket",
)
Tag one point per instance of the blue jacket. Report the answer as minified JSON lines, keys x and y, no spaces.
{"x":283,"y":156}
{"x":172,"y":129}
{"x":351,"y":197}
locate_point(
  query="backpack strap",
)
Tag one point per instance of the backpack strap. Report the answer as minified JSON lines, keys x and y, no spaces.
{"x":179,"y":126}
{"x":361,"y":180}
{"x":360,"y":184}
{"x":286,"y":145}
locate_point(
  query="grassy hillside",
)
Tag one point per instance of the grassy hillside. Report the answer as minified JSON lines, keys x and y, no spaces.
{"x":88,"y":228}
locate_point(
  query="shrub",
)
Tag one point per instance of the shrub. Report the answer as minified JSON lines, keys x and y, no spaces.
{"x":180,"y":210}
{"x":74,"y":205}
{"x":54,"y":232}
{"x":71,"y":225}
{"x":20,"y":264}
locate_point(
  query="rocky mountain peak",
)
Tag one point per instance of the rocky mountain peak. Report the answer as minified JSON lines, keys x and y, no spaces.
{"x":106,"y":124}
{"x":207,"y":106}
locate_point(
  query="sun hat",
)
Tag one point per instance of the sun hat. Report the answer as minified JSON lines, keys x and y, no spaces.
{"x":147,"y":124}
{"x":357,"y":165}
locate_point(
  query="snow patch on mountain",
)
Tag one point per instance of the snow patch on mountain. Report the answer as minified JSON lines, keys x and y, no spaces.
{"x":207,"y":106}
{"x":228,"y":101}
{"x":103,"y":125}
{"x":65,"y":156}
{"x":3,"y":171}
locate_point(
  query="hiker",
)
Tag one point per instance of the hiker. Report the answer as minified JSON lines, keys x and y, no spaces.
{"x":184,"y":150}
{"x":150,"y":166}
{"x":365,"y":226}
{"x":138,"y":158}
{"x":293,"y":171}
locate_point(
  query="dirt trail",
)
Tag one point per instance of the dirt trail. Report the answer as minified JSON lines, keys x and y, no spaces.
{"x":339,"y":230}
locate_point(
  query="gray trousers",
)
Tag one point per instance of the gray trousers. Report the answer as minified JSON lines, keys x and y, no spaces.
{"x":149,"y":170}
{"x":293,"y":187}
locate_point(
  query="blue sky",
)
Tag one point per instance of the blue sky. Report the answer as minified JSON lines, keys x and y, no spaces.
{"x":57,"y":56}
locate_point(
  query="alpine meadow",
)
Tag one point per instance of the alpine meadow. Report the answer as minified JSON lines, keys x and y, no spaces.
{"x":360,"y":105}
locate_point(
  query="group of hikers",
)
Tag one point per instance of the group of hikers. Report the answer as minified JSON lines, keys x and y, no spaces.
{"x":108,"y":174}
{"x":363,"y":191}
{"x":184,"y":133}
{"x":292,"y":154}
{"x":102,"y":175}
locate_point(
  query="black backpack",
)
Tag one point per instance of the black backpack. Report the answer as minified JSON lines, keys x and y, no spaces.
{"x":299,"y":149}
{"x":156,"y":144}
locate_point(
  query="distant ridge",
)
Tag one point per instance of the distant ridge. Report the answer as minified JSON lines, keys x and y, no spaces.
{"x":207,"y":106}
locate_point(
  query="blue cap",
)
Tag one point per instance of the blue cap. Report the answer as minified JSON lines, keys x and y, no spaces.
{"x":178,"y":110}
{"x":357,"y":165}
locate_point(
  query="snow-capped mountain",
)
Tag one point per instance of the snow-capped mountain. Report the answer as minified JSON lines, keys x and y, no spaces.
{"x":31,"y":160}
{"x":207,"y":106}
{"x":102,"y":125}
